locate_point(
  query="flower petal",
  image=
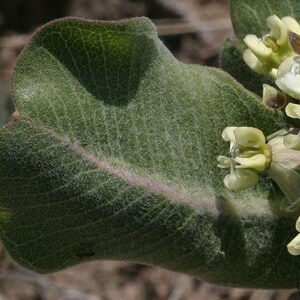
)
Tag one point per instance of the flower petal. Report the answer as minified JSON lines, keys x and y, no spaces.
{"x":257,"y":46}
{"x":289,"y":81}
{"x":293,"y":110}
{"x":254,"y":63}
{"x":288,"y":181}
{"x":249,"y":137}
{"x":257,"y":162}
{"x":228,"y":135}
{"x":294,"y":246}
{"x":224,"y":161}
{"x":278,"y":29}
{"x":292,"y":141}
{"x":241,"y":179}
{"x":298,"y":224}
{"x":289,"y":158}
{"x":291,"y":24}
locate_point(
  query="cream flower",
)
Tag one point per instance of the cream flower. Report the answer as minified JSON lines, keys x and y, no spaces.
{"x":264,"y":55}
{"x":249,"y":155}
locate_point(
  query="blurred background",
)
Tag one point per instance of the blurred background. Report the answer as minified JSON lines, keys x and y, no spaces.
{"x":193,"y":30}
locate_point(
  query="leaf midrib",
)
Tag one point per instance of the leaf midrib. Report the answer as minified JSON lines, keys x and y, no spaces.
{"x":151,"y":186}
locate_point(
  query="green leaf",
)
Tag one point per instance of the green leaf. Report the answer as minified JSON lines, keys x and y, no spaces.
{"x":249,"y":17}
{"x":6,"y":107}
{"x":112,"y":155}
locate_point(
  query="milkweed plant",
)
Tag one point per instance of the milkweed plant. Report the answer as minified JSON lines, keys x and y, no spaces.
{"x":116,"y":150}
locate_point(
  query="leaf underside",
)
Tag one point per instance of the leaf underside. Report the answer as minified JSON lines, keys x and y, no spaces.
{"x":112,"y":155}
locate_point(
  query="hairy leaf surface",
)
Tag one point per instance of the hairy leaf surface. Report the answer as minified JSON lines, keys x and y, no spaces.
{"x":112,"y":155}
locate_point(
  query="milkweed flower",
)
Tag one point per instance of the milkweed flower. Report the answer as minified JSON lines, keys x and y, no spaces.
{"x":278,"y":54}
{"x":251,"y":154}
{"x":264,"y":55}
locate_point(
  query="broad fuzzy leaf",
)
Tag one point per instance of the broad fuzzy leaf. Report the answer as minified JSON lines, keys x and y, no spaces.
{"x":112,"y":155}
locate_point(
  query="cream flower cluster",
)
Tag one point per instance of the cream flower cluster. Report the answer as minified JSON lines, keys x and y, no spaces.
{"x":250,"y":155}
{"x":264,"y":55}
{"x":276,"y":53}
{"x":278,"y":155}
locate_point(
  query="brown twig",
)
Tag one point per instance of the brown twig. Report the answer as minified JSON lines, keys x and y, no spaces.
{"x":14,"y":41}
{"x":169,"y":27}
